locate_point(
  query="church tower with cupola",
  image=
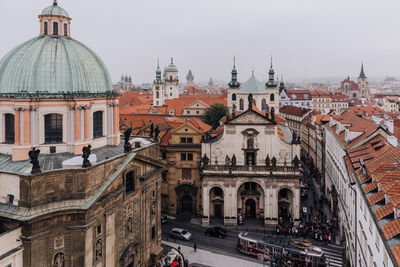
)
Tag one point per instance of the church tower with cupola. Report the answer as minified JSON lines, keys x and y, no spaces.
{"x":272,"y":89}
{"x":363,"y":84}
{"x":158,"y":88}
{"x":233,"y":89}
{"x":171,"y":81}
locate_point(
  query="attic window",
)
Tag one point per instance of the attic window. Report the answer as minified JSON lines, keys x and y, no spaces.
{"x":379,"y":147}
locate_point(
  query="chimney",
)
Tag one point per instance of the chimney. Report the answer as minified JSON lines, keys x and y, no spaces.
{"x":396,"y":128}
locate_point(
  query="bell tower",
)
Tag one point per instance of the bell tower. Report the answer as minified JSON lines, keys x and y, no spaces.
{"x":363,"y":83}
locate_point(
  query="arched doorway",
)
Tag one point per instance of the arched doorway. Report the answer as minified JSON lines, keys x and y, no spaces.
{"x":187,"y":204}
{"x":250,"y":208}
{"x":186,"y":194}
{"x":216,"y":202}
{"x":285,"y":205}
{"x":250,"y":200}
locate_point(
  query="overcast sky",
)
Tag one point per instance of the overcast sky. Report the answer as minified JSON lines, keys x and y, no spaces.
{"x":307,"y":38}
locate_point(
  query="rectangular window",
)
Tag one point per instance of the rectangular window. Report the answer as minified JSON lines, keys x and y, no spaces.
{"x":53,"y":128}
{"x":183,"y":156}
{"x":9,"y":128}
{"x":190,"y":156}
{"x":186,"y":173}
{"x":197,"y":112}
{"x":164,"y":176}
{"x":98,"y":124}
{"x":129,"y":183}
{"x":98,"y":229}
{"x":55,"y":28}
{"x":65,"y":29}
{"x":153,"y":232}
{"x":164,"y":155}
{"x":188,"y":140}
{"x":45,"y":26}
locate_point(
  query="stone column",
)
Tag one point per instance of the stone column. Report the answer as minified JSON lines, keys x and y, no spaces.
{"x":77,"y":124}
{"x":17,"y":127}
{"x":27,"y":126}
{"x":206,"y":205}
{"x":87,"y":124}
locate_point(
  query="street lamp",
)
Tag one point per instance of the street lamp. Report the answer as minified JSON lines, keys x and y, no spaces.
{"x":355,"y":221}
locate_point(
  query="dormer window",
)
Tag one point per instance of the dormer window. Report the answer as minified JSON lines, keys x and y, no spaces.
{"x":55,"y":28}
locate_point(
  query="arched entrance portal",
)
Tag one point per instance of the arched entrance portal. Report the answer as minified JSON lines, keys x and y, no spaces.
{"x":250,"y":208}
{"x":216,"y":202}
{"x":285,"y":205}
{"x":186,"y":198}
{"x":250,"y":200}
{"x":187,"y":204}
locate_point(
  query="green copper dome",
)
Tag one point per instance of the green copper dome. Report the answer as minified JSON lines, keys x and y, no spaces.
{"x":55,"y":10}
{"x":53,"y":66}
{"x":171,"y":67}
{"x":252,"y":86}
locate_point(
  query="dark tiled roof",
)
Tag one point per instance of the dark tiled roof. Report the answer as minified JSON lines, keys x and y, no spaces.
{"x":50,"y":162}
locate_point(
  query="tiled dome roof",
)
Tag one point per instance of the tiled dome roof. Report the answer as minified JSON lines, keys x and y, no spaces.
{"x":53,"y":65}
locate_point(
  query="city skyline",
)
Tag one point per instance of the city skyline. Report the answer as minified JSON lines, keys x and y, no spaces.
{"x":329,"y":40}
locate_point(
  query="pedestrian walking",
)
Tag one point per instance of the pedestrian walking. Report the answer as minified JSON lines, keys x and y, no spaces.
{"x":195,"y":247}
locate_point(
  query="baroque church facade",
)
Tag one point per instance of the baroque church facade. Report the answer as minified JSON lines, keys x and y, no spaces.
{"x":79,"y":196}
{"x":355,"y":90}
{"x":251,"y":169}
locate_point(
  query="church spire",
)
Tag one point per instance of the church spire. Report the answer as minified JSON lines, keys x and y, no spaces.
{"x":55,"y":3}
{"x":234,"y":83}
{"x":271,"y":80}
{"x":362,"y":74}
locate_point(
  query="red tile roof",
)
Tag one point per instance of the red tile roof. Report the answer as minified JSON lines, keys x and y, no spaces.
{"x":294,"y":111}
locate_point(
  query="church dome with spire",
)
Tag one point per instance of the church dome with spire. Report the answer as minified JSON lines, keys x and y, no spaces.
{"x":171,"y":67}
{"x":61,"y":91}
{"x":53,"y":64}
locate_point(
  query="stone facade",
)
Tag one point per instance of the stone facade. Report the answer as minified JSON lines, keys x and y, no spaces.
{"x":105,"y":215}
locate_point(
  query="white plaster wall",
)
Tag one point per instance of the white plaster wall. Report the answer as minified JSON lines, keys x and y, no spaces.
{"x":10,"y":184}
{"x":9,"y":241}
{"x":231,"y":144}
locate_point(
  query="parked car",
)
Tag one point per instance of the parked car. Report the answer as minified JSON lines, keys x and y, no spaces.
{"x":164,"y":219}
{"x":180,"y":233}
{"x":216,"y":232}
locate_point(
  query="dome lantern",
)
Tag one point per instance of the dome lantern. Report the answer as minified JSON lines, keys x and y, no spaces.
{"x":55,"y":21}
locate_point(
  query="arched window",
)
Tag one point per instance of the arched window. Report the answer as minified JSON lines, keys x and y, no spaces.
{"x":65,"y":29}
{"x":55,"y":28}
{"x":272,"y":97}
{"x":53,"y":128}
{"x":157,"y":94}
{"x":263,"y":104}
{"x":9,"y":128}
{"x":59,"y":260}
{"x":45,"y":28}
{"x":241,"y":104}
{"x":233,"y":97}
{"x":170,"y":77}
{"x":98,"y":124}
